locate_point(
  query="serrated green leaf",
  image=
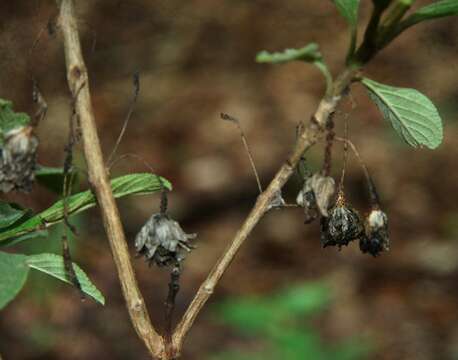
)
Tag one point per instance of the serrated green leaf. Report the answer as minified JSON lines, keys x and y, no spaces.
{"x":412,"y":114}
{"x":10,"y":119}
{"x":435,"y":10}
{"x":13,"y":274}
{"x":308,"y":53}
{"x":349,"y":10}
{"x":131,"y":184}
{"x":53,"y":178}
{"x":53,"y":265}
{"x":9,"y":215}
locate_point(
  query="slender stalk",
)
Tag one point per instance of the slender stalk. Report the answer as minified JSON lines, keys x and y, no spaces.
{"x":98,"y":178}
{"x":174,"y":287}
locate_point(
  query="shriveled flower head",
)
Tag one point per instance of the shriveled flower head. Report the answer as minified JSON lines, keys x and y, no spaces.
{"x":316,"y":195}
{"x":376,"y":238}
{"x":162,"y":241}
{"x":18,"y":159}
{"x":341,"y":226}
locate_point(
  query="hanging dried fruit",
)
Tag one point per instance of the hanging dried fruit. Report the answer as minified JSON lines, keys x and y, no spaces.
{"x":376,"y":238}
{"x":162,"y":241}
{"x":342,"y":226}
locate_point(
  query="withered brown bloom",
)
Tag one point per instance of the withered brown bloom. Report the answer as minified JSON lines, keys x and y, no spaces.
{"x":162,"y":241}
{"x":18,"y":159}
{"x":376,"y":238}
{"x":341,"y":226}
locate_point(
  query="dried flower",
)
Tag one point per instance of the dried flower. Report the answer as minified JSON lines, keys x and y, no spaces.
{"x":376,"y":238}
{"x":316,"y":194}
{"x":162,"y":241}
{"x":342,"y":226}
{"x":18,"y":159}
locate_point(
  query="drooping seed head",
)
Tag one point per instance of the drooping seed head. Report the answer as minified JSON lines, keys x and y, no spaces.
{"x":341,"y":226}
{"x":162,"y":241}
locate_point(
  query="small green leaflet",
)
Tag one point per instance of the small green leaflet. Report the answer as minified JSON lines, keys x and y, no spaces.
{"x":53,"y":265}
{"x":349,"y":10}
{"x":13,"y":274}
{"x":142,"y":183}
{"x":14,"y":269}
{"x":412,"y":114}
{"x":309,"y":53}
{"x":435,"y":10}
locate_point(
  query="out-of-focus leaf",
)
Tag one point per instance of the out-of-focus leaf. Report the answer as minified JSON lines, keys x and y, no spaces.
{"x":309,"y":53}
{"x":412,"y":114}
{"x":302,"y":300}
{"x":142,"y":183}
{"x":349,"y":10}
{"x":53,"y":265}
{"x":13,"y":274}
{"x":9,"y":215}
{"x":53,"y":178}
{"x":435,"y":10}
{"x":249,"y":316}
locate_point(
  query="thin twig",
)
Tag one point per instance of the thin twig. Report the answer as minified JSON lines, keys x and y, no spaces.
{"x":345,"y":159}
{"x":136,"y":82}
{"x":174,"y":287}
{"x":98,"y":178}
{"x":375,"y":201}
{"x":245,"y":144}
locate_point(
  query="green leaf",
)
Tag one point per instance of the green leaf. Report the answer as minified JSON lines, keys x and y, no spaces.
{"x":412,"y":114}
{"x":9,"y":215}
{"x":302,"y":300}
{"x":13,"y":274}
{"x":435,"y":10}
{"x":10,"y":119}
{"x":53,"y":178}
{"x":142,"y":183}
{"x":349,"y":10}
{"x":308,"y":53}
{"x":53,"y":265}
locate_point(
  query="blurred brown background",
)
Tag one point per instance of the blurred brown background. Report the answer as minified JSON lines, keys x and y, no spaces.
{"x":196,"y":59}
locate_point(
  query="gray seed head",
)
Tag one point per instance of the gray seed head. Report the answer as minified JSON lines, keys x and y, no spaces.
{"x":18,"y":160}
{"x":162,"y":241}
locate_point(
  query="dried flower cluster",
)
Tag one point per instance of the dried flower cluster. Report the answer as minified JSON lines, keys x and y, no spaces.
{"x":162,"y":241}
{"x":341,"y":224}
{"x":18,"y":159}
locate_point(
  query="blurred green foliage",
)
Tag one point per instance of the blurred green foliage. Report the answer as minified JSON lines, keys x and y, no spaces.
{"x":281,"y":325}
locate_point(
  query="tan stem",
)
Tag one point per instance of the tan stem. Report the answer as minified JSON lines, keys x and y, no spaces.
{"x":98,"y":178}
{"x":306,"y":139}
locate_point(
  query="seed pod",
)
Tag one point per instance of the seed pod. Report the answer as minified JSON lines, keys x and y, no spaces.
{"x":316,"y":195}
{"x":18,"y":159}
{"x":341,"y":226}
{"x":162,"y":241}
{"x":376,"y":238}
